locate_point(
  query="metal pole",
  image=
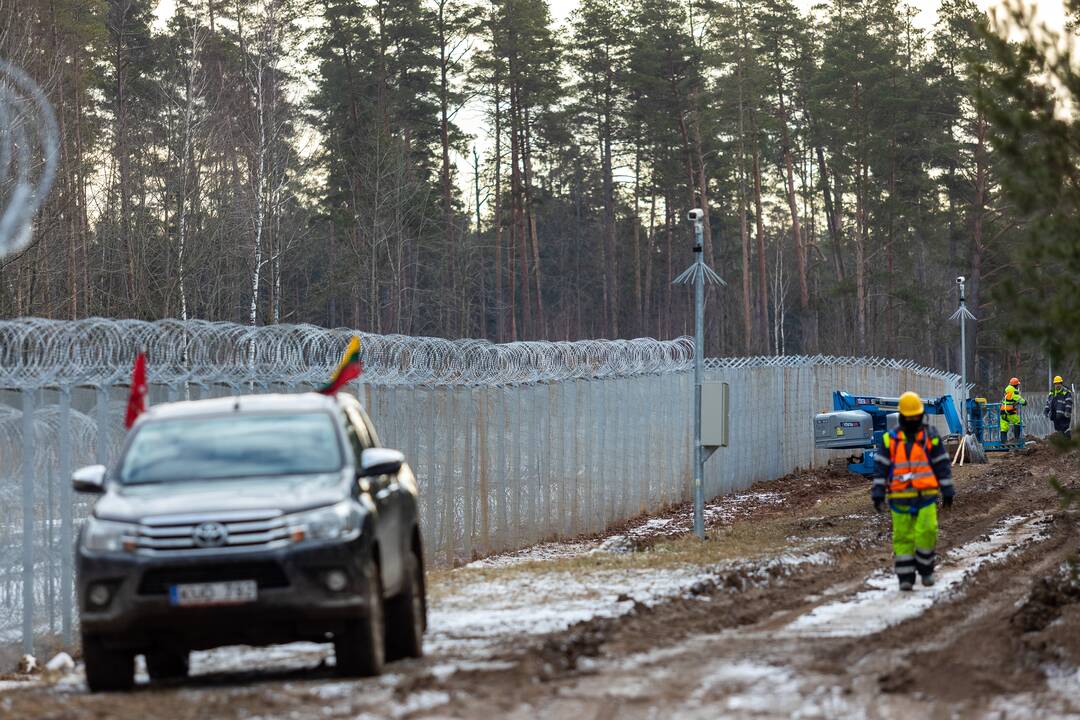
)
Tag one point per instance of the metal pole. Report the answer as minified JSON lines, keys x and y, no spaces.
{"x":67,"y":519}
{"x":699,"y":352}
{"x":28,"y":521}
{"x":963,"y":362}
{"x":698,"y":273}
{"x":963,"y":315}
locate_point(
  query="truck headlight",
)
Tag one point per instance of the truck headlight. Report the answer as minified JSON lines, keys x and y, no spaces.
{"x":341,"y":521}
{"x":108,"y":536}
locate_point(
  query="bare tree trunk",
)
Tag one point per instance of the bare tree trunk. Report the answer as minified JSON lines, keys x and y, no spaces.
{"x":517,"y":202}
{"x":860,"y":261}
{"x":647,"y":305}
{"x":483,"y":326}
{"x":744,"y":230}
{"x":500,"y":300}
{"x":638,"y":317}
{"x":759,"y":222}
{"x":611,"y":264}
{"x":526,"y":144}
{"x":453,"y":252}
{"x":978,"y":247}
{"x":793,"y":206}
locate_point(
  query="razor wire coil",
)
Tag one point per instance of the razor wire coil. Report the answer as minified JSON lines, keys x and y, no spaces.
{"x":36,"y":352}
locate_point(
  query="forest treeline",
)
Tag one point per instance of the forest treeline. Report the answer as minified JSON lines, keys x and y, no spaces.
{"x":471,"y":168}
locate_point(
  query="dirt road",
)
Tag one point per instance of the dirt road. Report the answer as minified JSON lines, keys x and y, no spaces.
{"x":788,"y":610}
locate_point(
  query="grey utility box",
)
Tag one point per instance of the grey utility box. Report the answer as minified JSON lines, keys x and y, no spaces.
{"x":715,"y":401}
{"x":844,"y":429}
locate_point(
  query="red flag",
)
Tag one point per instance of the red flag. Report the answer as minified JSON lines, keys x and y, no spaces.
{"x":137,"y":399}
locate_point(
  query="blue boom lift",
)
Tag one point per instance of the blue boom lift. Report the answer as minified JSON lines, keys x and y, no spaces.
{"x":860,"y":421}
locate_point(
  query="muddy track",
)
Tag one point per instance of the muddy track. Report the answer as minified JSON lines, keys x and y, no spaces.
{"x":723,"y":648}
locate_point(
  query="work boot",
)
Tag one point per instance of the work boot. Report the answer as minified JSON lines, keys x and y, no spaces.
{"x":906,"y":585}
{"x":928,"y":580}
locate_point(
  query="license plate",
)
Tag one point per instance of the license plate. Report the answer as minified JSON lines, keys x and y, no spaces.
{"x":236,"y":592}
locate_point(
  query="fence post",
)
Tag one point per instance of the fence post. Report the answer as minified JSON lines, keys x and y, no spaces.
{"x":502,"y":515}
{"x":467,"y":472}
{"x":431,"y":483}
{"x":28,"y":520}
{"x":102,"y":425}
{"x":67,"y":519}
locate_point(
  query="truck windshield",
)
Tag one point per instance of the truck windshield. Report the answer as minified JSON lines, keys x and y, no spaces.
{"x":232,"y":446}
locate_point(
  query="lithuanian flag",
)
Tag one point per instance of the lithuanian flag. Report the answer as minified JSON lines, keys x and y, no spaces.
{"x":350,"y":368}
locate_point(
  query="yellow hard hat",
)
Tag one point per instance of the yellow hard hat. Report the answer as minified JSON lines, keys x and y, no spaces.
{"x":910,"y":404}
{"x":1057,"y":379}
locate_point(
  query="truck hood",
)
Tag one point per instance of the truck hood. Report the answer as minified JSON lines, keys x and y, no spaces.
{"x":292,"y":493}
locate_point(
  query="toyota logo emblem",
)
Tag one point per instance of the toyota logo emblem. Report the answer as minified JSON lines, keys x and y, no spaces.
{"x":210,"y":534}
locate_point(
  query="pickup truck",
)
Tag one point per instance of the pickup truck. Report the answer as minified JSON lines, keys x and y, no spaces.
{"x":253,"y":520}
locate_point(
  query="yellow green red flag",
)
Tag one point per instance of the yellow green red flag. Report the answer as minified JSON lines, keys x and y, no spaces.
{"x":350,"y":368}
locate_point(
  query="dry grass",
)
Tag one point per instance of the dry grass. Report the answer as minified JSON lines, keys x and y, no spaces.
{"x":769,"y":530}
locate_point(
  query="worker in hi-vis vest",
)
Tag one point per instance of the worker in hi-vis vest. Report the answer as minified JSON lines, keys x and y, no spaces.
{"x":1011,"y":402}
{"x":912,"y":472}
{"x":1059,"y":407}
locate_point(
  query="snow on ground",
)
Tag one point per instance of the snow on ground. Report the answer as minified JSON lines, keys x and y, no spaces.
{"x":536,"y":604}
{"x":882,"y":606}
{"x":537,"y":553}
{"x":750,"y":689}
{"x":294,"y":656}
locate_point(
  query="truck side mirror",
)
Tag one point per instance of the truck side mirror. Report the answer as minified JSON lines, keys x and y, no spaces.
{"x":380,"y":461}
{"x":89,"y":479}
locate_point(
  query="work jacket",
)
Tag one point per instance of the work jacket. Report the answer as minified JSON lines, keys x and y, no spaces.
{"x":911,"y":473}
{"x":1059,"y":405}
{"x":1011,"y":405}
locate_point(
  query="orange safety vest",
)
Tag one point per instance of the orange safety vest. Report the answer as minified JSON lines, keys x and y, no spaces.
{"x":912,"y":475}
{"x":1008,"y":405}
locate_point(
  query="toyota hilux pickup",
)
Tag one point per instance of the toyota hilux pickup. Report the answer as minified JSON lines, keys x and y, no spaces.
{"x":252,"y":520}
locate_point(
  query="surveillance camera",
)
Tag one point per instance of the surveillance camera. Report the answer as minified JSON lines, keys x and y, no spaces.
{"x":695,"y":215}
{"x":959,"y":279}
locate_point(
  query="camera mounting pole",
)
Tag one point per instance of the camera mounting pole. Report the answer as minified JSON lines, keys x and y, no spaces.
{"x":963,"y":315}
{"x":698,"y":273}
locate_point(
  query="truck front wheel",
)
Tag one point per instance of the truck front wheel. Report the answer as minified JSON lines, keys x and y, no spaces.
{"x":107,"y":669}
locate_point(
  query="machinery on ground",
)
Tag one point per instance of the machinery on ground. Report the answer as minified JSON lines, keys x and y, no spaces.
{"x":858,"y":422}
{"x":984,"y":424}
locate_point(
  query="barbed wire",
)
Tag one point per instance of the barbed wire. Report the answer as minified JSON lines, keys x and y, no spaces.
{"x":832,"y":360}
{"x":29,"y":142}
{"x":36,"y":352}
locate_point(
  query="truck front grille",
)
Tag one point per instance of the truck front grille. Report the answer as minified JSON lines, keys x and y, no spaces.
{"x":212,"y":532}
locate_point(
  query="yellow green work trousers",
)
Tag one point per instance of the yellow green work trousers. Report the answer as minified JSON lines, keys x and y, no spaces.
{"x":914,"y":534}
{"x":1008,"y":419}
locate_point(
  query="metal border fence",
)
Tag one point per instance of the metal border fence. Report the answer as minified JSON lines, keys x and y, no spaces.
{"x":511,"y":444}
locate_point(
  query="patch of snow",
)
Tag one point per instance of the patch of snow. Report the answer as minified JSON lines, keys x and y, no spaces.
{"x":242,"y":657}
{"x":28,"y":664}
{"x":883,"y":605}
{"x":18,"y":684}
{"x":334,"y":690}
{"x":652,"y":526}
{"x":419,"y":701}
{"x":535,"y":604}
{"x":618,"y":544}
{"x":537,"y":553}
{"x":61,"y":662}
{"x":442,"y":671}
{"x":747,"y":688}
